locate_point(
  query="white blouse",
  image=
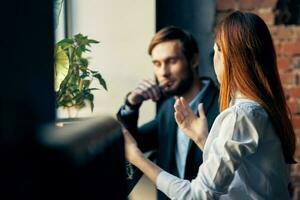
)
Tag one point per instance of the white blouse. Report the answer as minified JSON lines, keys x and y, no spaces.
{"x":242,"y":159}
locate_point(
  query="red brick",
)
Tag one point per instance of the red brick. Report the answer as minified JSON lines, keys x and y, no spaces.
{"x":296,"y":28}
{"x":287,"y":79}
{"x":247,"y":4}
{"x":268,"y":3}
{"x":296,"y":31}
{"x":284,"y":63}
{"x":296,"y":72}
{"x":297,"y":134}
{"x":278,"y":47}
{"x":294,"y":106}
{"x":267,"y":15}
{"x":297,"y":157}
{"x":274,"y":31}
{"x":296,"y":122}
{"x":282,"y":33}
{"x":297,"y":34}
{"x":297,"y":78}
{"x":294,"y":92}
{"x":290,"y":48}
{"x":296,"y":168}
{"x":296,"y":62}
{"x":223,"y":5}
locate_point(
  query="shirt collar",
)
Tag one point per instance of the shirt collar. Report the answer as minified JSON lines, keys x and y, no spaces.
{"x":198,"y":98}
{"x":241,"y":100}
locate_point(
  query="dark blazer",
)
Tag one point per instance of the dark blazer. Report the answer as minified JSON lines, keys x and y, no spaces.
{"x":161,"y":132}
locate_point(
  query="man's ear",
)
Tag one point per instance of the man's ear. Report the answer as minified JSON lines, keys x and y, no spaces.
{"x":195,"y":61}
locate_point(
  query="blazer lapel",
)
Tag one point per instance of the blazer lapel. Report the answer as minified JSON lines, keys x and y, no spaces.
{"x":172,"y":139}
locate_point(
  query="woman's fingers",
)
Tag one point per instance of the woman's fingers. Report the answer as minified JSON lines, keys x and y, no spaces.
{"x":179,"y":117}
{"x":178,"y":107}
{"x":201,"y":111}
{"x":194,"y":127}
{"x":181,"y":106}
{"x":186,"y":106}
{"x":179,"y":113}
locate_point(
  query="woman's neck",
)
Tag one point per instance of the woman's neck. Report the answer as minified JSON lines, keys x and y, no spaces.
{"x":239,"y":95}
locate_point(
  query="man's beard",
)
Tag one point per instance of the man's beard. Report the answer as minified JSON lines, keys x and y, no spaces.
{"x":184,"y":85}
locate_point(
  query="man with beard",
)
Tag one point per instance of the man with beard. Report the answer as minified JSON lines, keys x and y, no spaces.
{"x":174,"y":54}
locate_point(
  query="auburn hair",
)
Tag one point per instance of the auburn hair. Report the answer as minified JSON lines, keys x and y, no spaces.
{"x":250,"y":67}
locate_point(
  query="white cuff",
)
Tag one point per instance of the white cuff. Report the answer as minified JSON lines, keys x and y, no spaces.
{"x":163,"y":181}
{"x":173,"y":186}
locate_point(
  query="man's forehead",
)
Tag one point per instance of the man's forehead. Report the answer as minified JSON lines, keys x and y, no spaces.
{"x":167,"y":49}
{"x":169,"y":43}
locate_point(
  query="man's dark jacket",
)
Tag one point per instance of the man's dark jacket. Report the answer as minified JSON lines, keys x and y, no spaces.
{"x":161,"y":134}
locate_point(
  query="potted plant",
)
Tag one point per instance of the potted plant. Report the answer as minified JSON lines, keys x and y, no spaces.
{"x":73,"y":76}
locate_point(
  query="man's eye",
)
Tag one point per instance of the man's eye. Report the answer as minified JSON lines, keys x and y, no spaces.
{"x":172,"y":61}
{"x":156,"y":64}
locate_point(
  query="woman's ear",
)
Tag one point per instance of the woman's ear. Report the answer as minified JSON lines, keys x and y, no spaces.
{"x":195,"y":61}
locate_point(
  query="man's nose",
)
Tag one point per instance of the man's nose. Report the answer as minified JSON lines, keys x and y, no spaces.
{"x":165,"y":70}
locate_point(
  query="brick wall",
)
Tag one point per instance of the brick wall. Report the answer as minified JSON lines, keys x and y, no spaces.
{"x":287,"y":44}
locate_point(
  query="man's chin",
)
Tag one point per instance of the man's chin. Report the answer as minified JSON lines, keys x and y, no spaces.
{"x":177,"y":91}
{"x":170,"y":92}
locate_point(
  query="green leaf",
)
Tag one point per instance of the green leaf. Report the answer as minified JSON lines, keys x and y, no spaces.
{"x":90,"y":98}
{"x":86,"y":83}
{"x":91,"y":41}
{"x":82,"y":48}
{"x":94,"y":72}
{"x":84,"y":75}
{"x":78,"y":52}
{"x":84,"y":62}
{"x":93,"y":89}
{"x":101,"y":80}
{"x":61,"y":67}
{"x":65,"y":41}
{"x":65,"y":46}
{"x":78,"y":37}
{"x":74,"y":89}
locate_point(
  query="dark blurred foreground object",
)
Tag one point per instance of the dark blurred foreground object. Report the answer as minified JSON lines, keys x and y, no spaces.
{"x":86,"y":159}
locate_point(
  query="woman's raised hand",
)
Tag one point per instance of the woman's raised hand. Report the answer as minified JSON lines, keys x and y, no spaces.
{"x":194,"y":127}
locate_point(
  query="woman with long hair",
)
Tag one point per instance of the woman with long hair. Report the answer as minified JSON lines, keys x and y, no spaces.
{"x":247,"y":153}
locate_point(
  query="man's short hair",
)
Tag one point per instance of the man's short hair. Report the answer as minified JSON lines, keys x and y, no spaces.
{"x":189,"y":44}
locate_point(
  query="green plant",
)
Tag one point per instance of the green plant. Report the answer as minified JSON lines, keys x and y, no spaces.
{"x":73,"y":77}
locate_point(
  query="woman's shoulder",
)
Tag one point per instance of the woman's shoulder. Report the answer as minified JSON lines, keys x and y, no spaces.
{"x":244,"y":108}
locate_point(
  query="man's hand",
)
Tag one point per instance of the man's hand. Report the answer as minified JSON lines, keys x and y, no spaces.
{"x":146,"y":89}
{"x":194,"y":127}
